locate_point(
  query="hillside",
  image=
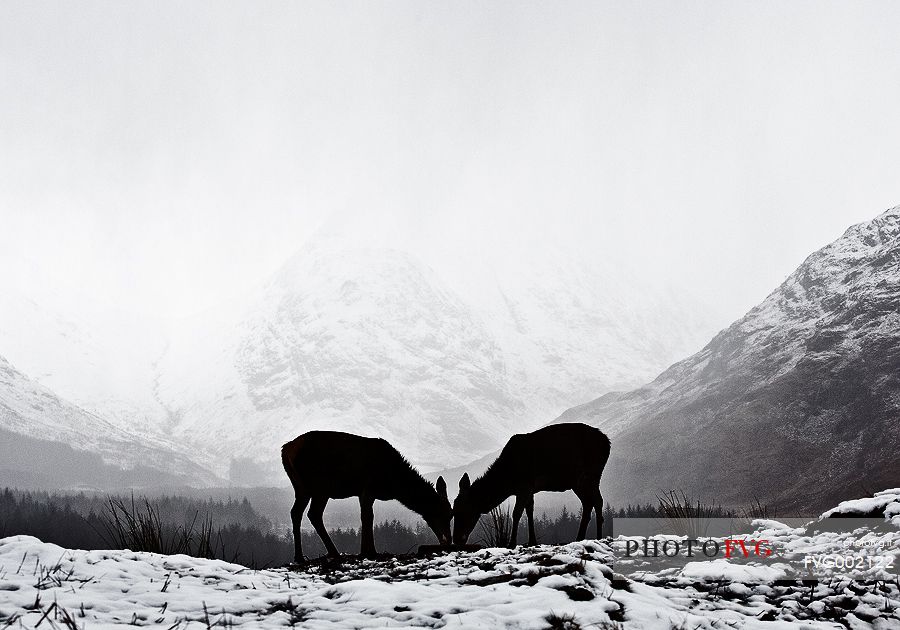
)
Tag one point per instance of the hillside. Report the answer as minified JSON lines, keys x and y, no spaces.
{"x":444,"y":360}
{"x":94,"y":356}
{"x":47,"y":440}
{"x":375,"y":341}
{"x":797,"y":403}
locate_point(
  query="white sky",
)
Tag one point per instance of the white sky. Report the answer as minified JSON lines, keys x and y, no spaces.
{"x":163,"y":156}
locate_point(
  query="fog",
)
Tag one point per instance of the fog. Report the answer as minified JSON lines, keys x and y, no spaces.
{"x":161,"y":157}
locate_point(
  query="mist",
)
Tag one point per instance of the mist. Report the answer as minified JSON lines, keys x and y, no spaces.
{"x":404,"y":272}
{"x":160,"y":159}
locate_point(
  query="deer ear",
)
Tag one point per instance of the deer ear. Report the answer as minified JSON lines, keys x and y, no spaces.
{"x":464,"y":483}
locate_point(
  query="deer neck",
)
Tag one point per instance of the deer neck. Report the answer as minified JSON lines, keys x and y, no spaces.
{"x":415,"y":493}
{"x":492,"y":488}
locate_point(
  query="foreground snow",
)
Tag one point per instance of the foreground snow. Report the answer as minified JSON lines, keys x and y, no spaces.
{"x":582,"y":584}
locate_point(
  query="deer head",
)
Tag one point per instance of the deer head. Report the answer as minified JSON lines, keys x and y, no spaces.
{"x":439,"y":518}
{"x":465,"y":516}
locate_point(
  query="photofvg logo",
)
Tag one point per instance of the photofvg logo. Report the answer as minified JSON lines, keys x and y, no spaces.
{"x":691,"y":547}
{"x":758,"y":551}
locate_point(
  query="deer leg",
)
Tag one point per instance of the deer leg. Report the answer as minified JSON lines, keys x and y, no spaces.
{"x":529,"y":512}
{"x":300,"y":503}
{"x":598,"y":507}
{"x":517,"y":515}
{"x":316,"y":509}
{"x":586,"y":508}
{"x":367,"y":533}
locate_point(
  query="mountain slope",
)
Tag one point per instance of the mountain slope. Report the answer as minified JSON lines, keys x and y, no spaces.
{"x":798,"y":402}
{"x":445,"y":354}
{"x":369,"y":343}
{"x":97,"y":357}
{"x":38,"y":425}
{"x":374,"y":341}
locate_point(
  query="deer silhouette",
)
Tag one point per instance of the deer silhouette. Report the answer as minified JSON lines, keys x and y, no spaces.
{"x":558,"y":457}
{"x":325,"y":465}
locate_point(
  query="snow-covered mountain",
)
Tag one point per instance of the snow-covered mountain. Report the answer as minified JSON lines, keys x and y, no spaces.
{"x":797,"y":403}
{"x":46,"y":436}
{"x":443,"y":345}
{"x":376,"y":341}
{"x":99,"y":358}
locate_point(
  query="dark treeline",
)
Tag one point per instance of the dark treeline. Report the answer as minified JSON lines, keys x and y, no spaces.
{"x":227,"y":511}
{"x":563,"y":527}
{"x":230,"y":529}
{"x":227,"y":530}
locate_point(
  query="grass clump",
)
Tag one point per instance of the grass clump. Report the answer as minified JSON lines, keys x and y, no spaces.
{"x":496,"y":527}
{"x":565,"y":621}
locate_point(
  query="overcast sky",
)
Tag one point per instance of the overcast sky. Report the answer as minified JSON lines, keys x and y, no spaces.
{"x":163,"y":156}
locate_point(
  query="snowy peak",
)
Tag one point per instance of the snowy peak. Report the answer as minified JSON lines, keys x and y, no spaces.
{"x":443,"y":355}
{"x":373,"y":335}
{"x":836,"y":276}
{"x":802,"y":390}
{"x":443,"y":363}
{"x":358,"y":324}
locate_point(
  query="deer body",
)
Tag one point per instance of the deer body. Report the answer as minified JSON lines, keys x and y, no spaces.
{"x":555,"y":458}
{"x":325,"y":465}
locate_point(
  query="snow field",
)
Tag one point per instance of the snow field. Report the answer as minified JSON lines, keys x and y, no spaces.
{"x":587,"y":584}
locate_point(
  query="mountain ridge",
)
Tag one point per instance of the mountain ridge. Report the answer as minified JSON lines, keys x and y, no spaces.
{"x":408,"y":357}
{"x":814,"y":367}
{"x":368,"y":339}
{"x":33,"y":415}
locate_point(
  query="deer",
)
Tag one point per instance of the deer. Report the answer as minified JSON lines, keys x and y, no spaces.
{"x":558,"y":457}
{"x":323,"y":465}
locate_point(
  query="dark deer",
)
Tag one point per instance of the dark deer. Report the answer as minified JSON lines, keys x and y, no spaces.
{"x":557,"y":458}
{"x":326,"y":465}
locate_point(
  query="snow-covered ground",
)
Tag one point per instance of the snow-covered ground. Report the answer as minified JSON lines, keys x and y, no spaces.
{"x":580,"y":585}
